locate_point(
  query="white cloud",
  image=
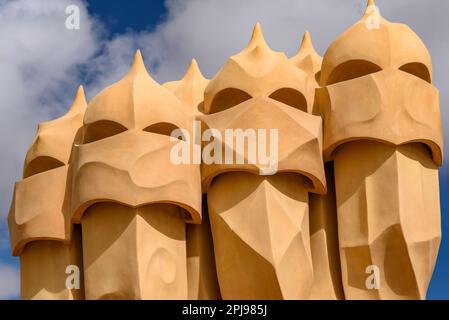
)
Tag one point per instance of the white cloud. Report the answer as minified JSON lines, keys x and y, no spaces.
{"x":9,"y":280}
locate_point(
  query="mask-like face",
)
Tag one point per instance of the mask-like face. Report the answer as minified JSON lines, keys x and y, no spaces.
{"x":40,"y":207}
{"x":300,"y":153}
{"x":133,"y":168}
{"x":389,"y":105}
{"x":125,"y":154}
{"x":382,"y":94}
{"x":261,"y":93}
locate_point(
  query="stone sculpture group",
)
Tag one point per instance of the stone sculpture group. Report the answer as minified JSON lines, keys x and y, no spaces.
{"x":356,"y":186}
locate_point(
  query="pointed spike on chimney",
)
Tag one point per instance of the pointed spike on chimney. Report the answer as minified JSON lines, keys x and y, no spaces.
{"x":193,"y":69}
{"x":79,"y":103}
{"x":193,"y":64}
{"x":138,"y":66}
{"x":257,"y":31}
{"x":307,"y":46}
{"x":306,"y":42}
{"x":79,"y":92}
{"x":257,"y":38}
{"x":138,"y":57}
{"x":371,"y":8}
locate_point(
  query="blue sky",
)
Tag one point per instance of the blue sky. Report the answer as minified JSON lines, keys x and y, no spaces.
{"x":170,"y":34}
{"x":121,"y":16}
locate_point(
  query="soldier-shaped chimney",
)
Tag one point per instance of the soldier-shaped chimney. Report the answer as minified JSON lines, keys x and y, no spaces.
{"x":382,"y":128}
{"x":39,"y":220}
{"x":130,"y":199}
{"x":264,"y":218}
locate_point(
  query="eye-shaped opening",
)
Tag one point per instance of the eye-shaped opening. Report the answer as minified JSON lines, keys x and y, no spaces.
{"x":228,"y":98}
{"x":290,"y":97}
{"x":417,"y":69}
{"x":102,"y":129}
{"x":200,"y":107}
{"x":41,"y":164}
{"x":351,"y":70}
{"x":318,"y":77}
{"x":164,"y":128}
